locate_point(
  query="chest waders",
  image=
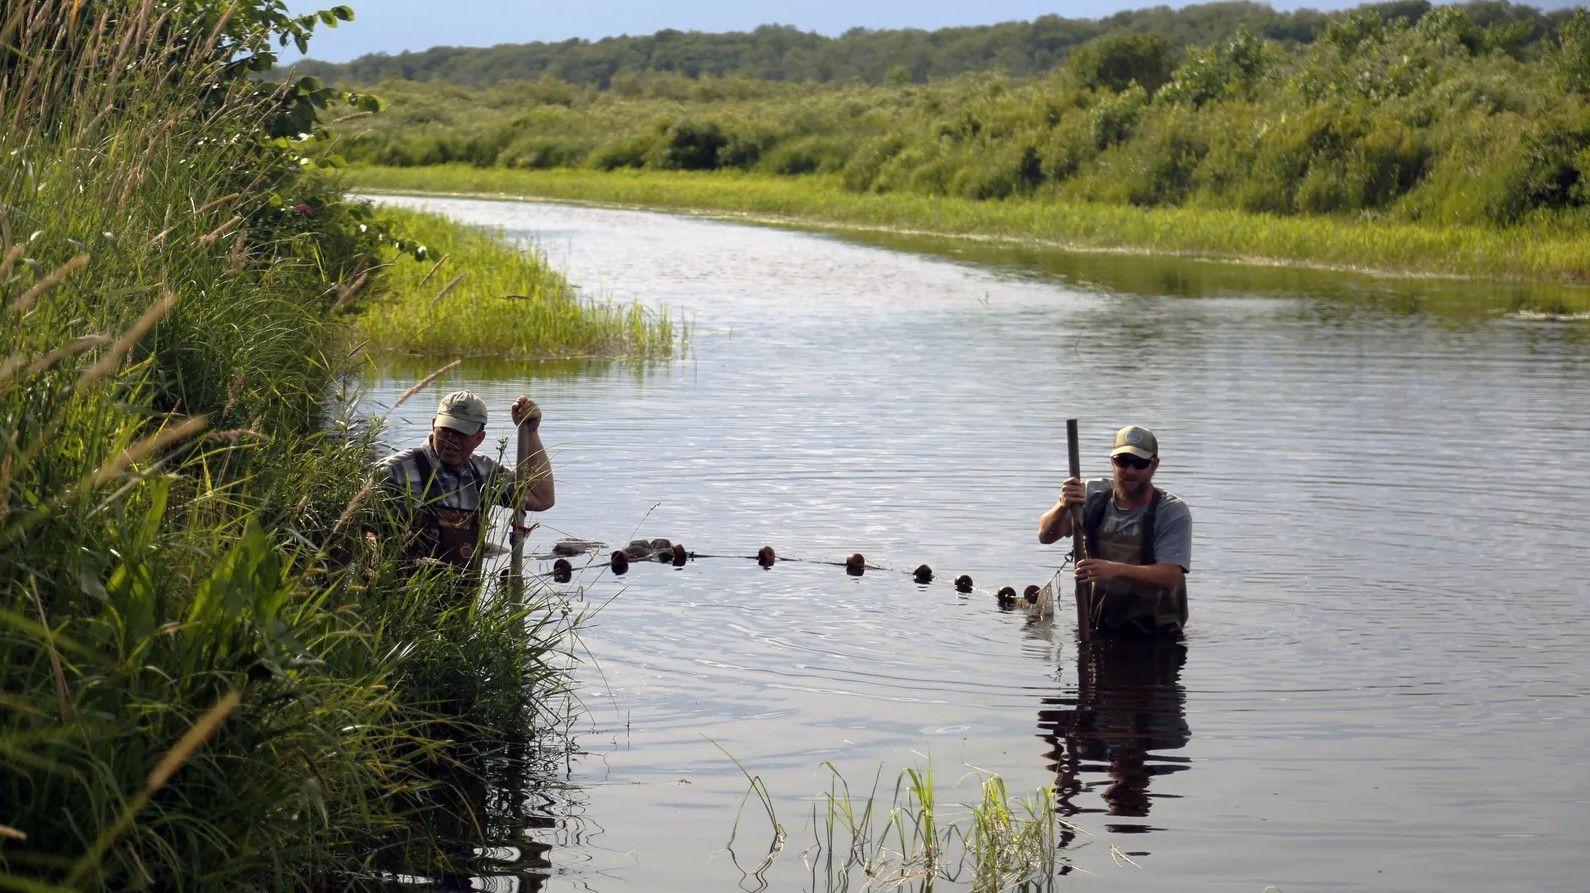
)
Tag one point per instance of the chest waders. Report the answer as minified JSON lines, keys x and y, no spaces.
{"x":1125,"y":607}
{"x":450,"y":536}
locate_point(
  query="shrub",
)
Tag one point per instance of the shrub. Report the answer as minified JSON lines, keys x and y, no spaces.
{"x":744,"y":148}
{"x":1115,"y":117}
{"x":806,"y":155}
{"x":691,"y":146}
{"x":541,"y":152}
{"x":1572,"y":58}
{"x":1114,"y":63}
{"x":860,"y":172}
{"x":1013,"y":171}
{"x":626,"y":151}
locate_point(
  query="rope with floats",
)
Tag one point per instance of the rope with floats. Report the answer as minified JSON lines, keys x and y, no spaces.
{"x":1039,"y":600}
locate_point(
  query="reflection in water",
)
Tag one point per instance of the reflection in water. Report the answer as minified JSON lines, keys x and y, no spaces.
{"x":1129,"y":708}
{"x":483,"y":826}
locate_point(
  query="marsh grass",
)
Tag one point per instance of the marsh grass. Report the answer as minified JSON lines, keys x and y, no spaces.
{"x":478,"y":295}
{"x":1543,"y":250}
{"x":209,"y":677}
{"x":913,"y":840}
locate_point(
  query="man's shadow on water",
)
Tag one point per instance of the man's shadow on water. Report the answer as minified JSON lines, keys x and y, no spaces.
{"x":474,"y":829}
{"x":1129,"y":707}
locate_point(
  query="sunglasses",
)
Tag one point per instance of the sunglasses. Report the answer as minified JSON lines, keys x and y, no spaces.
{"x":1127,"y":460}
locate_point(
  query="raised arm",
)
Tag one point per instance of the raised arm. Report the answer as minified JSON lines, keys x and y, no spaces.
{"x":1055,"y":524}
{"x":534,"y":474}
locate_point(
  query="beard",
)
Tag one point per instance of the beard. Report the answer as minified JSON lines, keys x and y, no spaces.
{"x":1132,"y":490}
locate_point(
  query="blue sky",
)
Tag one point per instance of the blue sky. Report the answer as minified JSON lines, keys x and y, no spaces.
{"x":393,"y":26}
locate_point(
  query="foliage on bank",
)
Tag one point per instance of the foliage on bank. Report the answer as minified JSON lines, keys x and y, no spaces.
{"x":1407,"y":113}
{"x":208,"y":677}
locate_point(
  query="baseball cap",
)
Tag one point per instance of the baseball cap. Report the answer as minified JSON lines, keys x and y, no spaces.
{"x":461,"y":411}
{"x":1137,"y":440}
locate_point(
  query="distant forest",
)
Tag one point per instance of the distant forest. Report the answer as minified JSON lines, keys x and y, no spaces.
{"x":1476,"y":114}
{"x":783,"y":53}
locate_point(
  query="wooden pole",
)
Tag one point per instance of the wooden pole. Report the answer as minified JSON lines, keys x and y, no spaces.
{"x":515,"y":538}
{"x":1079,"y":539}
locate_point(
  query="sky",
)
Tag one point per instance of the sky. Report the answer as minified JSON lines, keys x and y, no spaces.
{"x":392,"y":26}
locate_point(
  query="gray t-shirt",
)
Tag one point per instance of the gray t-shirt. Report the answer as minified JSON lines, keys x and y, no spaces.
{"x":1172,"y":526}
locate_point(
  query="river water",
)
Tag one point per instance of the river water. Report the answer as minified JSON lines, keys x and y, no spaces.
{"x":1387,"y":671}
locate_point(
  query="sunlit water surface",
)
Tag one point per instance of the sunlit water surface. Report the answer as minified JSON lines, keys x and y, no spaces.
{"x":1385,"y":679}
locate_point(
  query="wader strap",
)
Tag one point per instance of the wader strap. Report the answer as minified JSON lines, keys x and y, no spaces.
{"x":1148,"y":527}
{"x":427,"y":475}
{"x":1093,"y":518}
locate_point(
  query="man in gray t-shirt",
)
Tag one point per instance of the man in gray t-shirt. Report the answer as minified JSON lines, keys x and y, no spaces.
{"x":1139,"y":541}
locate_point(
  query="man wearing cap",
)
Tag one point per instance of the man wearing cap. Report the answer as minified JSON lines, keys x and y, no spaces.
{"x":1139,"y":540}
{"x":447,"y":487}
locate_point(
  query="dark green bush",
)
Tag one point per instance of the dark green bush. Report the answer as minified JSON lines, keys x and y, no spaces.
{"x":862,"y":169}
{"x":1115,"y":117}
{"x":806,"y":155}
{"x":626,"y":151}
{"x":1114,"y":63}
{"x":692,"y":146}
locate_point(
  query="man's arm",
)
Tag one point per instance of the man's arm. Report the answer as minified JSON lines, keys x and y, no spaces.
{"x":1153,"y":576}
{"x":533,"y":477}
{"x":1055,"y":524}
{"x":1172,"y":554}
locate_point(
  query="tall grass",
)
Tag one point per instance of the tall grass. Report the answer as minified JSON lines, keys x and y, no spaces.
{"x":208,"y":676}
{"x":910,"y":839}
{"x":1536,"y":251}
{"x":476,"y":295}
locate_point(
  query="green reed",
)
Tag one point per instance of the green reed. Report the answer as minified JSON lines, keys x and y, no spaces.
{"x":912,"y":839}
{"x":474,"y":294}
{"x":209,"y":676}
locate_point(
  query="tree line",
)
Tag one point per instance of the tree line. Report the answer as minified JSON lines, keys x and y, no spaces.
{"x":783,"y":53}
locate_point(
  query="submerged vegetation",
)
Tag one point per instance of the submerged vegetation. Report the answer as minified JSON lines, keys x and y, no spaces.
{"x":913,"y":840}
{"x":1469,"y":125}
{"x":211,"y":677}
{"x":476,"y":295}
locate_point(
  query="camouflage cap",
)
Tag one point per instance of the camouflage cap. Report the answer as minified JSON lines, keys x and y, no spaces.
{"x":1138,"y":441}
{"x":461,"y":411}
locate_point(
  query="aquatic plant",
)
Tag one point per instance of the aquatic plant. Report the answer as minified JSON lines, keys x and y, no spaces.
{"x":913,"y":840}
{"x":476,"y":294}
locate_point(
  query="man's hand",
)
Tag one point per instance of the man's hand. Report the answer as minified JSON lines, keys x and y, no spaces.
{"x":1072,"y":492}
{"x":525,"y":412}
{"x":1097,"y":570}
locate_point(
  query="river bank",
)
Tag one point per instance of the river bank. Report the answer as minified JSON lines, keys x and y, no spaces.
{"x":213,"y":678}
{"x":475,"y":294}
{"x":1537,"y":252}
